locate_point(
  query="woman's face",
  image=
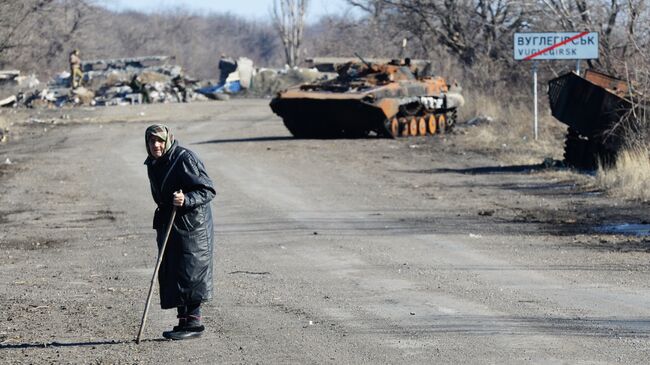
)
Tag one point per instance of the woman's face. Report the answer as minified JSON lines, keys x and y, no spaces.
{"x":156,"y":146}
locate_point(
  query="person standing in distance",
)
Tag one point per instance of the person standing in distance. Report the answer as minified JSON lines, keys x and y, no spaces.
{"x":178,"y":179}
{"x":76,"y":75}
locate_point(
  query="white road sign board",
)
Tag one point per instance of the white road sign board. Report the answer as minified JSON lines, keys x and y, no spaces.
{"x":556,"y":46}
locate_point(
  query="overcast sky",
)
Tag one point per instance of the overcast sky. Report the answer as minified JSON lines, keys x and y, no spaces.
{"x":251,"y":9}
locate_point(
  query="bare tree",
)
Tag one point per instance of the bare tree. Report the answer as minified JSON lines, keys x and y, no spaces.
{"x":622,"y":34}
{"x":16,"y":21}
{"x":470,"y":29}
{"x":36,"y":35}
{"x":289,"y":22}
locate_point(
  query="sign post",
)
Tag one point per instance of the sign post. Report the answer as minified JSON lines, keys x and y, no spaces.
{"x":554,"y":46}
{"x":535,"y":96}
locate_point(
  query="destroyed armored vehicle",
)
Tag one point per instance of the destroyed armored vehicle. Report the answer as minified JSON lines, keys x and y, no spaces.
{"x":387,"y":99}
{"x":600,"y":111}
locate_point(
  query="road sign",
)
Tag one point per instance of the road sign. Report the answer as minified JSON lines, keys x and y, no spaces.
{"x":556,"y":46}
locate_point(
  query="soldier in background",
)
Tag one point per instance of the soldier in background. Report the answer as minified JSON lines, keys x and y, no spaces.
{"x":138,"y":86}
{"x":76,"y":75}
{"x":180,"y":88}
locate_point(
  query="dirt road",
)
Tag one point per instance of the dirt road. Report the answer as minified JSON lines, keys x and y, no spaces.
{"x":369,"y":251}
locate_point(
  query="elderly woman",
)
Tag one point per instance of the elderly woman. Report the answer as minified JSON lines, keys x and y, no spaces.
{"x":178,"y":179}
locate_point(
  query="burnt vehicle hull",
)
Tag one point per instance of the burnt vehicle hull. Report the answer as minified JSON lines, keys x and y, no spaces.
{"x":328,"y":118}
{"x":382,"y":99}
{"x":597,"y":109}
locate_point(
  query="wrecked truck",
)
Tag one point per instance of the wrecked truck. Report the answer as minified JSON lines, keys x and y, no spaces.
{"x":387,"y":99}
{"x":600,"y":111}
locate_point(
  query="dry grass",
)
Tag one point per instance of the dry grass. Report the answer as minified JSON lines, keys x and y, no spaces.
{"x":509,"y":134}
{"x":630,"y":177}
{"x":490,"y":92}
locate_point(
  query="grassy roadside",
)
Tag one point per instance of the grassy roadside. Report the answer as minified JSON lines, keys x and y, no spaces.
{"x":501,"y":124}
{"x":629,"y":178}
{"x":505,"y":129}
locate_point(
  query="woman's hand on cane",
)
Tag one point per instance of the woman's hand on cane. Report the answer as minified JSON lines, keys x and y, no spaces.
{"x":179,"y":198}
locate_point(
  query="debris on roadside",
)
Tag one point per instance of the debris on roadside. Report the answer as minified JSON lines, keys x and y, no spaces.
{"x":486,"y":212}
{"x":479,"y":120}
{"x":8,"y":75}
{"x":11,"y":85}
{"x":149,"y":79}
{"x":14,"y":78}
{"x":234,"y":76}
{"x":8,"y":101}
{"x":241,"y":78}
{"x":602,"y":113}
{"x":550,"y":162}
{"x":121,"y":81}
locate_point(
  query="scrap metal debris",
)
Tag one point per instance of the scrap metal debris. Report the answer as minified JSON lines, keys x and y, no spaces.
{"x":602,"y":112}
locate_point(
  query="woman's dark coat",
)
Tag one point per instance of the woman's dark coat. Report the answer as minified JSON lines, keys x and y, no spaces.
{"x":185,"y":275}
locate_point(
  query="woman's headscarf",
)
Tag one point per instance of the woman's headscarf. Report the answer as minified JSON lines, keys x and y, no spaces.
{"x":161,"y":131}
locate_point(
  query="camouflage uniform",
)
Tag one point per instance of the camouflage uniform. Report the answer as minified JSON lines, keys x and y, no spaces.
{"x":76,"y":75}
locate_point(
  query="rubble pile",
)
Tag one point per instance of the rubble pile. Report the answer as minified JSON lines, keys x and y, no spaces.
{"x":138,"y":80}
{"x":11,"y":82}
{"x":108,"y":82}
{"x":150,"y":79}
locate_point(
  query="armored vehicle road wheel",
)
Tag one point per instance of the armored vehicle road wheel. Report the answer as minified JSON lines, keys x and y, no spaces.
{"x":442,"y":123}
{"x":394,"y":127}
{"x":432,"y":124}
{"x":413,"y":126}
{"x":404,"y":127}
{"x":422,"y":126}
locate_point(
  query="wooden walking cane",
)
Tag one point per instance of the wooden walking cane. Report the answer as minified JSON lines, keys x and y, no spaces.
{"x":155,"y":273}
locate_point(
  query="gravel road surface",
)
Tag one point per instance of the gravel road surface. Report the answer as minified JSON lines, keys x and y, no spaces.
{"x":372,"y":251}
